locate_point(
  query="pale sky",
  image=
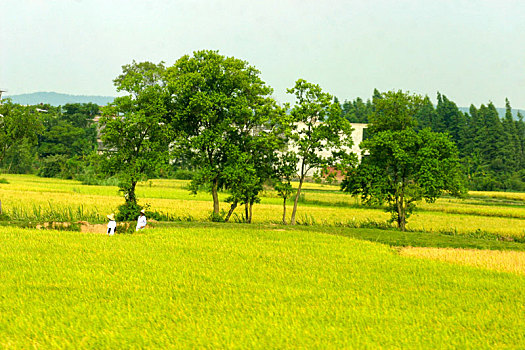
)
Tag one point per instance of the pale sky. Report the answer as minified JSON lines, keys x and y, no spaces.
{"x":470,"y":51}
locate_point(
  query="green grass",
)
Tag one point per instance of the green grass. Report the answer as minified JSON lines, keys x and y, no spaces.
{"x":391,"y":237}
{"x":424,"y":239}
{"x":240,"y":286}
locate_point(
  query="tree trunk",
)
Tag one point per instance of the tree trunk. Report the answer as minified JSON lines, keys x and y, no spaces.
{"x":215,"y":195}
{"x":401,"y":213}
{"x":131,"y":197}
{"x":246,"y":211}
{"x":250,"y":213}
{"x":296,"y":201}
{"x":284,"y":210}
{"x":230,"y":212}
{"x":402,"y":220}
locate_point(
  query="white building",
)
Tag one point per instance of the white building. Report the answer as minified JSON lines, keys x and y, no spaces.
{"x":358,"y":134}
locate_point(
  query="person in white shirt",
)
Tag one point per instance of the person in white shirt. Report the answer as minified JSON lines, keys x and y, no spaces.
{"x":141,"y":222}
{"x":112,"y":224}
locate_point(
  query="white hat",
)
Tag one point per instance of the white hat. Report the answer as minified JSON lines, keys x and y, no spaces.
{"x":111,"y":216}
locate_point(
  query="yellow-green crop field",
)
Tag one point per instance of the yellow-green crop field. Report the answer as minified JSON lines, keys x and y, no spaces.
{"x":236,"y":286}
{"x":510,"y":261}
{"x":33,"y":198}
{"x":198,"y":284}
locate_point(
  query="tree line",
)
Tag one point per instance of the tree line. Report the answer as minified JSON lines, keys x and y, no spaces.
{"x":491,"y":149}
{"x":213,"y":116}
{"x":46,"y":140}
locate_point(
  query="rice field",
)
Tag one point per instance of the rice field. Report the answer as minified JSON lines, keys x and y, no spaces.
{"x":236,"y":286}
{"x":500,"y":195}
{"x":508,"y":261}
{"x":198,"y":284}
{"x":32,"y":198}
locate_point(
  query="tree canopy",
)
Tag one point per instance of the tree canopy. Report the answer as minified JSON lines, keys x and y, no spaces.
{"x":135,"y":136}
{"x":404,"y":165}
{"x":220,"y":106}
{"x":17,"y":124}
{"x":319,"y":135}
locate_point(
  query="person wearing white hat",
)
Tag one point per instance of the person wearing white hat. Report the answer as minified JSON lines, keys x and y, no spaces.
{"x":112,"y":224}
{"x":141,"y":222}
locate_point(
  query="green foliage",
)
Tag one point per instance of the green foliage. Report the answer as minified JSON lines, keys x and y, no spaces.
{"x":135,"y":135}
{"x":66,"y":134}
{"x":243,"y":182}
{"x":222,"y":110}
{"x":21,"y":158}
{"x":128,"y":211}
{"x":91,"y":175}
{"x":220,"y":217}
{"x":61,"y":166}
{"x":17,"y":124}
{"x":491,"y":149}
{"x":319,"y":134}
{"x":182,"y":174}
{"x":402,"y":165}
{"x":80,"y":115}
{"x":62,"y":137}
{"x":3,"y":181}
{"x":52,"y":166}
{"x":394,"y":111}
{"x":357,"y":111}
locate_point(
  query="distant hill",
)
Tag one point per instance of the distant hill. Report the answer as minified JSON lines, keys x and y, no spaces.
{"x":501,"y":111}
{"x":56,"y":99}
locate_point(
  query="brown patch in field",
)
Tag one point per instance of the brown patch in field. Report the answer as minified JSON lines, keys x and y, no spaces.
{"x":103,"y":228}
{"x":84,"y":226}
{"x":508,"y":261}
{"x":95,"y":228}
{"x":89,"y":228}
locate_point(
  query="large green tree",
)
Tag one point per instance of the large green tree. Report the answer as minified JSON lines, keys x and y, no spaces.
{"x":403,"y":165}
{"x":18,"y":124}
{"x":135,"y":135}
{"x":69,"y":136}
{"x":220,"y":106}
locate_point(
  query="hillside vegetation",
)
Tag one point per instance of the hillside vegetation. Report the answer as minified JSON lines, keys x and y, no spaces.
{"x":58,"y":99}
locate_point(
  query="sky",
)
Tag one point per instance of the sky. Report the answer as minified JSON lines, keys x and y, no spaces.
{"x":471,"y":51}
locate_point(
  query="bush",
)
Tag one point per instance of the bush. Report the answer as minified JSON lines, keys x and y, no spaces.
{"x":128,"y":212}
{"x":498,"y":182}
{"x":89,"y":176}
{"x":516,"y":182}
{"x":20,"y":159}
{"x":52,"y":166}
{"x":181,"y":174}
{"x":3,"y":181}
{"x":484,"y":183}
{"x":217,"y":217}
{"x":60,"y":166}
